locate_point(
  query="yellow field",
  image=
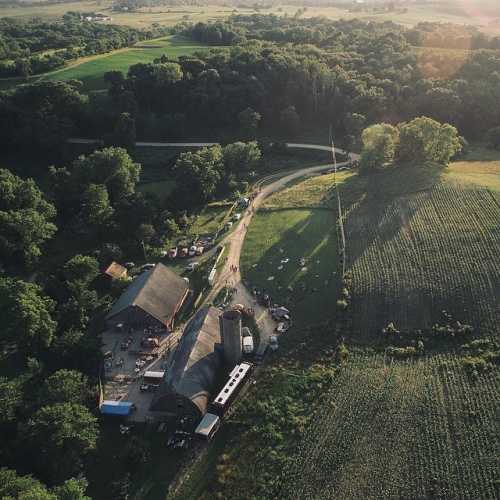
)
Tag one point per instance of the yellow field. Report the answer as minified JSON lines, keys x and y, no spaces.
{"x":164,"y":15}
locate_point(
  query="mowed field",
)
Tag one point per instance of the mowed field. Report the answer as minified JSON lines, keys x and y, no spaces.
{"x":408,"y":430}
{"x":91,"y":72}
{"x":276,"y":240}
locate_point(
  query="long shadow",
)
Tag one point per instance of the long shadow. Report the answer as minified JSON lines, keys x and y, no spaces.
{"x":371,"y":220}
{"x":313,"y":291}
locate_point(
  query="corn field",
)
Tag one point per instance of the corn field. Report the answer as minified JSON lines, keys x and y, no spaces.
{"x":422,"y":253}
{"x":407,"y":430}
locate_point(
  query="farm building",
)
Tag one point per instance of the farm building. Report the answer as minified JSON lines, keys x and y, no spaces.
{"x":192,"y":371}
{"x":152,"y":299}
{"x":115,"y":271}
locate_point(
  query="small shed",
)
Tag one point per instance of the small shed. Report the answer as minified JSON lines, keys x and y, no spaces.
{"x":116,"y":408}
{"x":116,"y":271}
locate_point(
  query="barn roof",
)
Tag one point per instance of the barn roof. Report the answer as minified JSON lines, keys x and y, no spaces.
{"x":157,"y":291}
{"x":196,"y":359}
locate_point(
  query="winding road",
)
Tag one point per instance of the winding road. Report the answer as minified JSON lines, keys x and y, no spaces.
{"x":226,"y":276}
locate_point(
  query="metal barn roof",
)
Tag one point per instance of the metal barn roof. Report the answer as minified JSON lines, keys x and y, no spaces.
{"x":196,"y":359}
{"x":157,"y":291}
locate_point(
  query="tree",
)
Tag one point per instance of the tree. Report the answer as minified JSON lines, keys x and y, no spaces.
{"x":124,"y":134}
{"x":65,"y":386}
{"x":290,"y":121}
{"x":354,"y":123}
{"x":111,"y":167}
{"x":10,"y":399}
{"x":249,"y":121}
{"x":25,"y":218}
{"x":493,"y":137}
{"x":426,"y":140}
{"x":198,"y":175}
{"x":379,"y":145}
{"x":241,"y":157}
{"x":96,"y":209}
{"x":13,"y":487}
{"x":81,"y":268}
{"x":72,"y":489}
{"x":26,"y":315}
{"x":59,"y":436}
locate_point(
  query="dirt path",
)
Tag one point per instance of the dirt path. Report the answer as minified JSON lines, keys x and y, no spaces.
{"x":230,"y":274}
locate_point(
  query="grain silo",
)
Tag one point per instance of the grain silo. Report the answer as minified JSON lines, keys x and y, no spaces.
{"x":231,"y":336}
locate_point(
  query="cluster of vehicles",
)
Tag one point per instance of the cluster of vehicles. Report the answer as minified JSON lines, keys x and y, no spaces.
{"x":185,"y":251}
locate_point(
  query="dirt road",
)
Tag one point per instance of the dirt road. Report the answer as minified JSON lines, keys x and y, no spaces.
{"x":230,"y":275}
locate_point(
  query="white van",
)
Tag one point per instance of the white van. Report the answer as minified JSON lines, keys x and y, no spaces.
{"x":248,"y":344}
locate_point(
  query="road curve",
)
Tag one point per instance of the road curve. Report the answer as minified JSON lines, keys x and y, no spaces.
{"x":317,"y":147}
{"x":230,"y":275}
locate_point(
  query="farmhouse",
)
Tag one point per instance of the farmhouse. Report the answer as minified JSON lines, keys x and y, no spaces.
{"x":152,"y":299}
{"x":192,"y":371}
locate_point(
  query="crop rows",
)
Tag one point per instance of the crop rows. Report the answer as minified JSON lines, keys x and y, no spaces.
{"x":423,"y":253}
{"x":400,"y":430}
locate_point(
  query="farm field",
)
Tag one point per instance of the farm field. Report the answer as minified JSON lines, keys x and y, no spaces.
{"x":277,"y":235}
{"x":91,"y":72}
{"x":480,"y":13}
{"x":420,"y":429}
{"x":414,"y":254}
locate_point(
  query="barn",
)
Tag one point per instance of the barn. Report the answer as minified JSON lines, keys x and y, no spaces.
{"x":153,"y":299}
{"x":191,"y":374}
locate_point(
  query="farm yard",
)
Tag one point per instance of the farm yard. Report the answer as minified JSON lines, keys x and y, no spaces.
{"x":420,"y":429}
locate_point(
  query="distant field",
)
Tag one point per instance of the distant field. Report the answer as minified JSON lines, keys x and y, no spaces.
{"x":276,"y":235}
{"x":473,"y":13}
{"x":407,"y":430}
{"x":91,"y":73}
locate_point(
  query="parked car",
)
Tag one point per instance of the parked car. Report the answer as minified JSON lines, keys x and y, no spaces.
{"x":184,"y":252}
{"x":228,"y":225}
{"x":200,"y":250}
{"x":282,"y":327}
{"x":129,"y":265}
{"x":236,"y":216}
{"x":145,"y":267}
{"x":172,"y":253}
{"x":192,"y":251}
{"x":144,"y":388}
{"x":273,"y":343}
{"x":191,"y":266}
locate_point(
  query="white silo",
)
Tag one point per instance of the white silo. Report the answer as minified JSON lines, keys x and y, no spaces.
{"x":231,"y":337}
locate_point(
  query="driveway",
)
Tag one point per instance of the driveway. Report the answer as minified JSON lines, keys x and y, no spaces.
{"x":234,"y":242}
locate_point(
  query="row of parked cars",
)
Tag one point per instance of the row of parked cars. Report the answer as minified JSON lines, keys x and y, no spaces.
{"x":192,"y":251}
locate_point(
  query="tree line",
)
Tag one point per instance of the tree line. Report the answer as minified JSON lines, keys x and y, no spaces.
{"x":34,"y":47}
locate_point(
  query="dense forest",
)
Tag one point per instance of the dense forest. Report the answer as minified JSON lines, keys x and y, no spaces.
{"x":34,"y":47}
{"x":277,"y":78}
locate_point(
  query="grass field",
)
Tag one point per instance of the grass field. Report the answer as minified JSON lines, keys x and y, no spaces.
{"x":405,"y":430}
{"x":91,"y":72}
{"x":277,"y":235}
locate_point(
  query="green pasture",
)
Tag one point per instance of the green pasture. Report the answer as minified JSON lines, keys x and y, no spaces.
{"x":91,"y":73}
{"x":276,"y":235}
